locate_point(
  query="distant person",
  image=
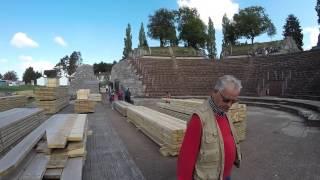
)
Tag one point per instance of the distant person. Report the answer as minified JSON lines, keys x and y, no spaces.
{"x":210,"y":146}
{"x":127,"y":96}
{"x":168,"y":97}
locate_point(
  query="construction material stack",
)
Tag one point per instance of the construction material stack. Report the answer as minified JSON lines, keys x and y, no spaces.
{"x":16,"y":123}
{"x":121,"y":107}
{"x":95,"y":97}
{"x":52,"y":97}
{"x":165,"y":130}
{"x":183,"y":109}
{"x":83,"y":104}
{"x":9,"y":102}
{"x":238,"y":115}
{"x":54,"y":150}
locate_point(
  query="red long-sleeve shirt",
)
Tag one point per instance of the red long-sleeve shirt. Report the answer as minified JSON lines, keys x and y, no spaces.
{"x":191,"y":145}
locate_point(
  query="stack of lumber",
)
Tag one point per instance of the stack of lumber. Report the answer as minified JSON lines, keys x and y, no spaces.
{"x":83,"y":104}
{"x":238,"y":115}
{"x":16,"y":123}
{"x":66,"y":141}
{"x":103,"y":90}
{"x":183,"y":109}
{"x":9,"y":102}
{"x":165,"y":130}
{"x":27,"y":93}
{"x":83,"y":93}
{"x":52,"y":99}
{"x":95,"y":97}
{"x":52,"y":82}
{"x":121,"y":107}
{"x":55,"y":150}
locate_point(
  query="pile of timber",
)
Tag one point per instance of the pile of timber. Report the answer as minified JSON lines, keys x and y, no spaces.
{"x":121,"y":107}
{"x":16,"y":123}
{"x":183,"y":109}
{"x":165,"y":130}
{"x":95,"y":97}
{"x":9,"y":102}
{"x":52,"y":99}
{"x":54,"y":150}
{"x":238,"y":115}
{"x":83,"y":104}
{"x":52,"y":82}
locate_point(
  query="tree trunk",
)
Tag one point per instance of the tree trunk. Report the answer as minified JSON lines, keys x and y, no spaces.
{"x":252,"y":38}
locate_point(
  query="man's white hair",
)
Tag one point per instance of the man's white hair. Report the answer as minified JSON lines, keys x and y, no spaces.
{"x":227,"y":80}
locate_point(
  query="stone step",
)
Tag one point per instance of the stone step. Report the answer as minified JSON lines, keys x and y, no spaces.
{"x":312,"y":117}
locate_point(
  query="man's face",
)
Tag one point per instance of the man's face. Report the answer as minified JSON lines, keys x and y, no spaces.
{"x":225,"y":98}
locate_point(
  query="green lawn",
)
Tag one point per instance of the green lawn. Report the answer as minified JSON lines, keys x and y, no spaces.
{"x":16,"y":88}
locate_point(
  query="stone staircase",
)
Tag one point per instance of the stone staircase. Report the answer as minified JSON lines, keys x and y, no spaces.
{"x":307,"y":109}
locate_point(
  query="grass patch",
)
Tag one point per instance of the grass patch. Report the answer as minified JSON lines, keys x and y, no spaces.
{"x":16,"y":88}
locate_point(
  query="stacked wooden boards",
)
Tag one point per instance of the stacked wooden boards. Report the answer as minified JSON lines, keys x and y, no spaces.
{"x":66,"y":162}
{"x":52,"y":82}
{"x":16,"y":123}
{"x":183,"y":109}
{"x":9,"y":102}
{"x":165,"y":130}
{"x":52,"y":99}
{"x":121,"y":107}
{"x":95,"y":97}
{"x":83,"y":104}
{"x":66,"y":141}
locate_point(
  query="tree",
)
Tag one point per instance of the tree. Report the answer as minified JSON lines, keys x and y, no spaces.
{"x":10,"y":75}
{"x":292,"y":28}
{"x":29,"y":75}
{"x":211,"y":41}
{"x":161,"y":26}
{"x":271,"y":31}
{"x":127,"y":42}
{"x":252,"y":21}
{"x":142,"y":37}
{"x":69,"y":65}
{"x":192,"y":29}
{"x":1,"y":76}
{"x":102,"y":67}
{"x":318,"y":10}
{"x":230,"y":33}
{"x":74,"y":61}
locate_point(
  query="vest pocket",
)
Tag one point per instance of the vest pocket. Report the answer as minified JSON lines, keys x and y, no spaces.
{"x":209,"y":155}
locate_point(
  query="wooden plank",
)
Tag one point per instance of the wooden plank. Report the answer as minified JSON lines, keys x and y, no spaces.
{"x":58,"y":132}
{"x":78,"y":128}
{"x":36,"y":168}
{"x":12,"y":159}
{"x":53,"y":173}
{"x":73,"y":169}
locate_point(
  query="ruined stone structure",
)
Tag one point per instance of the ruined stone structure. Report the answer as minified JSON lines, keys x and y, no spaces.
{"x":83,"y":78}
{"x":124,"y":76}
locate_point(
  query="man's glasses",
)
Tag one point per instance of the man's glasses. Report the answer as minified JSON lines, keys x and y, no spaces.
{"x":227,"y":100}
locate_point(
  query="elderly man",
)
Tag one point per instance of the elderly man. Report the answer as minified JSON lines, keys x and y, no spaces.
{"x":210,"y":146}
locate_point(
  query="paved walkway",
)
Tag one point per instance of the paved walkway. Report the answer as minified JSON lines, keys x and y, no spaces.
{"x":107,"y":156}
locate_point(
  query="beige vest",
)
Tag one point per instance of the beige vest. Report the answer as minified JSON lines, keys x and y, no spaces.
{"x":210,"y":161}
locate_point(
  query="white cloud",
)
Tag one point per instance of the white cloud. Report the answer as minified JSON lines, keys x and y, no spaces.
{"x":38,"y":65}
{"x":59,"y":40}
{"x":212,"y":8}
{"x":21,"y":40}
{"x":310,"y":33}
{"x":3,"y":60}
